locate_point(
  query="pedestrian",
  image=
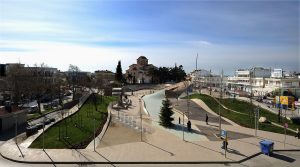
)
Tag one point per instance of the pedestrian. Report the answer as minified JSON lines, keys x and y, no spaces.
{"x":298,"y":133}
{"x":206,"y":119}
{"x":179,"y":120}
{"x":225,"y":144}
{"x":189,"y":125}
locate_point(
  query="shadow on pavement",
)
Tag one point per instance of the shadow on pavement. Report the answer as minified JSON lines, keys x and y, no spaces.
{"x":105,"y":158}
{"x":82,"y":154}
{"x":282,"y":157}
{"x":172,"y":154}
{"x":233,"y":151}
{"x":204,"y":147}
{"x":179,"y":128}
{"x":49,"y":158}
{"x":248,"y":142}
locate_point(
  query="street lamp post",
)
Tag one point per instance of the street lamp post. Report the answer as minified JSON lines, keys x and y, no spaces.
{"x":94,"y":136}
{"x":44,"y":134}
{"x":251,"y":96}
{"x":188,"y":104}
{"x":183,"y":126}
{"x":141,"y":119}
{"x":221,"y":87}
{"x":16,"y":129}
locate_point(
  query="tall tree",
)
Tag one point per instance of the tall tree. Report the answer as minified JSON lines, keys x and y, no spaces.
{"x":17,"y":82}
{"x":165,"y":115}
{"x":73,"y":78}
{"x":119,"y":74}
{"x":40,"y":85}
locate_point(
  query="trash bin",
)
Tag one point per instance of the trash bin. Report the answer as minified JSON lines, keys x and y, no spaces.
{"x":266,"y":146}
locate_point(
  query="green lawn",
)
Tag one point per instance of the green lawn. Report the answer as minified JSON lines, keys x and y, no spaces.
{"x":246,"y":107}
{"x":241,"y":119}
{"x":76,"y":131}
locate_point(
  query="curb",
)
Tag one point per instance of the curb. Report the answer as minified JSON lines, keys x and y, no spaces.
{"x":104,"y":129}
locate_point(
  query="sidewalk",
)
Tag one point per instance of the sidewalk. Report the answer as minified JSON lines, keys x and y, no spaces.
{"x":122,"y":143}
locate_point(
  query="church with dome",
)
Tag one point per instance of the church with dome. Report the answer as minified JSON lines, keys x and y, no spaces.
{"x":139,"y":72}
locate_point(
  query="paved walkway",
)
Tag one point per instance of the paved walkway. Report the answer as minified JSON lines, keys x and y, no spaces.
{"x":247,"y":100}
{"x":287,"y":113}
{"x":122,"y":143}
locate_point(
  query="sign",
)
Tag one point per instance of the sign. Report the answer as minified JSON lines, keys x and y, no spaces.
{"x":223,"y":134}
{"x":284,"y":100}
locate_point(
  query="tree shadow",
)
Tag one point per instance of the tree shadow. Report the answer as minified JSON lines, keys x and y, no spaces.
{"x":282,"y":157}
{"x":185,"y":129}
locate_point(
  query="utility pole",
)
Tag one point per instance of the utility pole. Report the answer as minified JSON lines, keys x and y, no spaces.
{"x":44,"y":134}
{"x":94,"y":135}
{"x":141,"y":119}
{"x":183,"y":125}
{"x":16,"y":129}
{"x":210,"y":82}
{"x":221,"y":87}
{"x":188,"y":104}
{"x":250,"y":72}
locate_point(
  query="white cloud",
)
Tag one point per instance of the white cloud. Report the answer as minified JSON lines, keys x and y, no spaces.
{"x":60,"y":55}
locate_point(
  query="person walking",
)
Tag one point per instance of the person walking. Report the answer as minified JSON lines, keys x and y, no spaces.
{"x":206,"y":119}
{"x":189,"y":125}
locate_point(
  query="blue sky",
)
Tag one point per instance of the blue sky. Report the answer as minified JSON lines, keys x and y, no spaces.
{"x":95,"y":34}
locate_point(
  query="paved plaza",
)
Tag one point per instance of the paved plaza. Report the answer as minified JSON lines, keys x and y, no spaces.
{"x":127,"y":141}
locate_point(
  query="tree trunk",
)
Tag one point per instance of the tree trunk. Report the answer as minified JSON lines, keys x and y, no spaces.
{"x":39,"y":105}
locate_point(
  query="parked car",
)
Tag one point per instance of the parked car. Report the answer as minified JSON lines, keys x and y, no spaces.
{"x":39,"y":126}
{"x":52,"y":120}
{"x":47,"y":122}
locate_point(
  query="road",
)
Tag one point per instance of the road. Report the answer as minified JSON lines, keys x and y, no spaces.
{"x":57,"y":115}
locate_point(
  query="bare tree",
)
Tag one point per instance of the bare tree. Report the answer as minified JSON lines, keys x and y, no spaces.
{"x":73,"y":78}
{"x":41,"y":84}
{"x":17,"y":82}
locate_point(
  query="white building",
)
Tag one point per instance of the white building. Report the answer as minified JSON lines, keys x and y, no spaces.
{"x":277,"y":73}
{"x":244,"y":79}
{"x":197,"y":74}
{"x":262,"y":81}
{"x":204,"y":78}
